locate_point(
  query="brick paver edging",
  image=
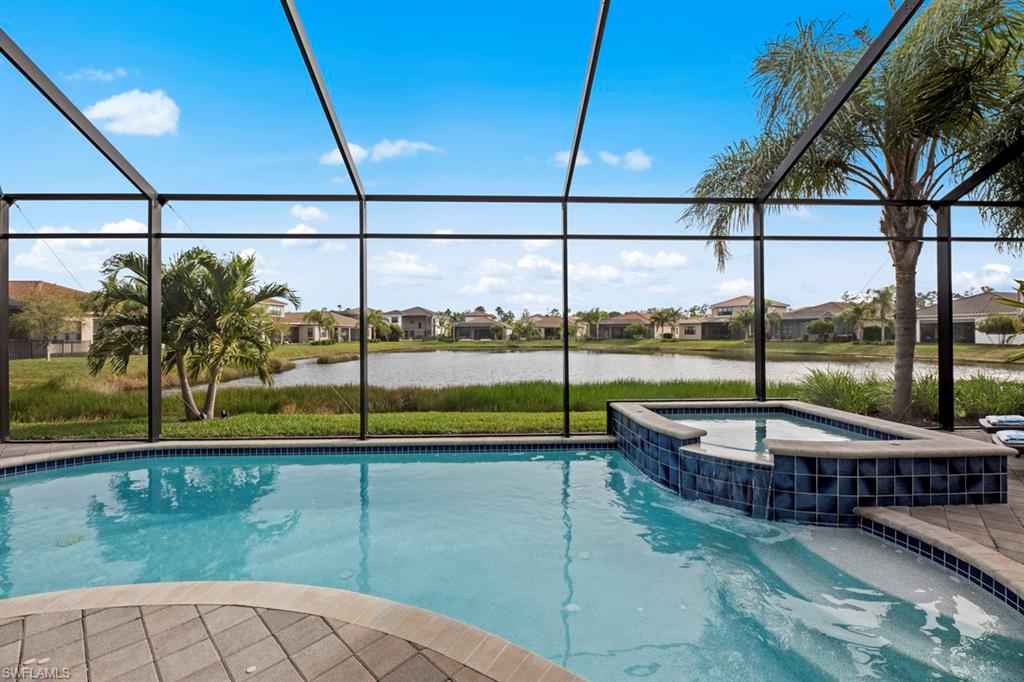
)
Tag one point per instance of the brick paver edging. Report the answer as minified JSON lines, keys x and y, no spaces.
{"x":481,"y":651}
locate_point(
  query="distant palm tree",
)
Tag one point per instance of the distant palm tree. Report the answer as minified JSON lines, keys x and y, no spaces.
{"x":666,"y":317}
{"x":323,"y":319}
{"x":942,"y":101}
{"x":856,"y":312}
{"x":1014,"y":303}
{"x":525,"y":329}
{"x":741,"y":320}
{"x":883,"y":302}
{"x":592,"y":317}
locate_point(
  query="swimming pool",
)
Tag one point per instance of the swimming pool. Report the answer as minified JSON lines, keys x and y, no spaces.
{"x":748,"y":432}
{"x":574,"y":555}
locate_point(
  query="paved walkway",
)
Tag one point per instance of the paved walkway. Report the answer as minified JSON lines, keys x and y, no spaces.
{"x":256,"y":632}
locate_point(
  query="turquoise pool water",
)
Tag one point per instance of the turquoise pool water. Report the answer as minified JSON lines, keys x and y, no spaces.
{"x":573,"y":555}
{"x":747,"y":431}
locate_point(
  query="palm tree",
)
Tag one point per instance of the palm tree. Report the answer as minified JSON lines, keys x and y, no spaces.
{"x":928,"y":111}
{"x":882,"y":302}
{"x":122,"y":306}
{"x":237,"y":330}
{"x":1014,"y":303}
{"x":323,"y":319}
{"x":592,"y":317}
{"x":857,"y":311}
{"x":525,"y":328}
{"x":772,"y":320}
{"x":741,"y":320}
{"x":666,"y":317}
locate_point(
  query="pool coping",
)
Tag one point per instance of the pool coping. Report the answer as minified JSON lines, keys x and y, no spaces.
{"x":478,"y":649}
{"x":911,"y":441}
{"x":72,"y":455}
{"x":992,"y":571}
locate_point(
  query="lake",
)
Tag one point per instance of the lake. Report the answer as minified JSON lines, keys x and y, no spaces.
{"x":460,"y":368}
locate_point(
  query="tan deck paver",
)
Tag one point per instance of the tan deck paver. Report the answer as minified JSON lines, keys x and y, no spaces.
{"x":386,"y":654}
{"x":416,"y":669}
{"x":321,"y":656}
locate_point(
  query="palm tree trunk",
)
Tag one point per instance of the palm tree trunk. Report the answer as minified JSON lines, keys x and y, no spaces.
{"x":906,"y":323}
{"x":191,"y":411}
{"x":211,"y":392}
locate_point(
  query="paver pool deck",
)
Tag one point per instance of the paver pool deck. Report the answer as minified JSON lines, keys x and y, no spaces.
{"x":252,"y":632}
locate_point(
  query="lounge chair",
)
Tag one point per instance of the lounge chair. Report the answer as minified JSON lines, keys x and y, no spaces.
{"x":1013,"y":439}
{"x":1001,"y":422}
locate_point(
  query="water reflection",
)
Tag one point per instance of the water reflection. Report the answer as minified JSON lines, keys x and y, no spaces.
{"x":134,"y":526}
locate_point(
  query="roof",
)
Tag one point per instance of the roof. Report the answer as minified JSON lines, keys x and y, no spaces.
{"x":393,"y":312}
{"x":274,"y":302}
{"x":339,"y":319}
{"x":744,"y":300}
{"x":480,"y":320}
{"x":813,"y":312}
{"x":977,"y":305}
{"x":22,"y":289}
{"x":547,"y":320}
{"x":627,"y":318}
{"x":416,"y":310}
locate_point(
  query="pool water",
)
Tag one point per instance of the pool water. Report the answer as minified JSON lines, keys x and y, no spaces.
{"x":747,"y":431}
{"x":571,"y":554}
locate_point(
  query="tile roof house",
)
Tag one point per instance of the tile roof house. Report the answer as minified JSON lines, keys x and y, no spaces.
{"x":295,"y":328}
{"x":716,"y":324}
{"x":615,"y":327}
{"x":420,"y":323}
{"x":477,"y":326}
{"x":76,"y":340}
{"x":794,"y":322}
{"x":967,"y":311}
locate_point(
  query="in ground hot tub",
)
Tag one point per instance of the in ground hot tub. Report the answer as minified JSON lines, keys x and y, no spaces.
{"x":790,"y":461}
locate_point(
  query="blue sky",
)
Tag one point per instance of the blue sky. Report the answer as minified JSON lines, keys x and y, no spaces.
{"x":446,"y":97}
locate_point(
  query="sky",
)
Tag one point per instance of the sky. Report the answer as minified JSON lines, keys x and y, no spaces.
{"x":444,"y":97}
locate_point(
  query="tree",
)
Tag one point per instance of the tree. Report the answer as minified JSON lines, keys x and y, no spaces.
{"x":1014,"y":303}
{"x":926,"y":299}
{"x":592,"y":317}
{"x":882,"y":303}
{"x":497,"y":332}
{"x":383,"y":328}
{"x":525,"y":328}
{"x":635,"y":331}
{"x":857,"y":311}
{"x":666,"y":317}
{"x":941,"y":101}
{"x":823,"y":328}
{"x":44,"y":315}
{"x":740,"y":321}
{"x":697,"y":311}
{"x":323,"y":319}
{"x":1002,"y":325}
{"x":211,"y":318}
{"x":772,"y":321}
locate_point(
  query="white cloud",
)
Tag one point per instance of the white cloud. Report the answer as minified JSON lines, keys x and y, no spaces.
{"x":308,"y":212}
{"x":562,"y":158}
{"x":585,"y":272}
{"x":992,"y":275}
{"x":529,"y":298}
{"x":264,"y":268}
{"x":484,"y":285}
{"x":404,"y":265}
{"x":636,"y":160}
{"x":77,"y":255}
{"x":490,"y":266}
{"x":299,"y":229}
{"x":382,"y":151}
{"x":609,"y":158}
{"x":89,"y":73}
{"x":535,"y":262}
{"x":662,"y":260}
{"x":740,"y":285}
{"x":333,"y":247}
{"x":800,"y":213}
{"x":536,"y":244}
{"x":136,"y":113}
{"x":661,"y":289}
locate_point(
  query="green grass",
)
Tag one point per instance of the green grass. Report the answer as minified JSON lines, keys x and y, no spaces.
{"x":254,"y":425}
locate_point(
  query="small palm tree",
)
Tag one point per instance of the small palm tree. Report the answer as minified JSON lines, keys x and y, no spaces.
{"x":1014,"y":303}
{"x":857,"y":311}
{"x":592,"y":317}
{"x":524,"y":329}
{"x":882,"y":304}
{"x":666,"y":317}
{"x":237,"y":330}
{"x":740,"y":322}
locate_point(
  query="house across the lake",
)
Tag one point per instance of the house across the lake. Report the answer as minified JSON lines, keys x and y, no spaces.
{"x":794,"y":322}
{"x":78,"y":333}
{"x":716,"y":324}
{"x":481,"y":326}
{"x":615,"y":327}
{"x":419,"y":323}
{"x":967,"y":312}
{"x":297,"y":328}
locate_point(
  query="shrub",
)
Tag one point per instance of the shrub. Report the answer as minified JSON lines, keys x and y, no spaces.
{"x":844,"y":391}
{"x":823,"y":327}
{"x":635,"y":331}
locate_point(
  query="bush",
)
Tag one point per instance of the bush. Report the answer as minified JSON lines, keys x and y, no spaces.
{"x":873,"y":334}
{"x":844,"y":391}
{"x":635,"y":331}
{"x":823,"y":327}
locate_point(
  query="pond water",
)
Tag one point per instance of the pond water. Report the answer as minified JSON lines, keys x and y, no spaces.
{"x":464,"y":368}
